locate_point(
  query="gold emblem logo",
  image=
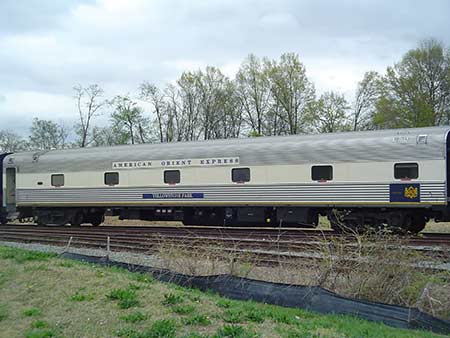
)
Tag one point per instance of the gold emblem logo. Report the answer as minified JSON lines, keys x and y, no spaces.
{"x":411,"y":192}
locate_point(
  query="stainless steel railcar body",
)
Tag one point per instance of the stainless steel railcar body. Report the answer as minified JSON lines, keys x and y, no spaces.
{"x":290,"y":179}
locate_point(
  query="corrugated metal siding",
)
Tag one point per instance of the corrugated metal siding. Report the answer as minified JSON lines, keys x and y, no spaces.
{"x":306,"y":193}
{"x":297,"y":149}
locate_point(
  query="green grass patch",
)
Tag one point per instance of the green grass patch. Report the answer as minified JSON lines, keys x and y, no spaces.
{"x":80,"y":296}
{"x":224,"y":303}
{"x":126,"y":298}
{"x":164,"y":328}
{"x":3,"y":312}
{"x":195,"y":335}
{"x":31,"y":312}
{"x":144,"y":278}
{"x":39,"y":324}
{"x":197,"y":320}
{"x":183,"y":309}
{"x":128,"y":332}
{"x":38,"y":333}
{"x":66,"y":264}
{"x":172,"y":299}
{"x":21,"y":256}
{"x":233,"y":316}
{"x":235,"y":331}
{"x":134,"y":317}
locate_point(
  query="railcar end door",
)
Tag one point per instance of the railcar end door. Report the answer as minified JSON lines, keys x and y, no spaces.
{"x":10,"y":197}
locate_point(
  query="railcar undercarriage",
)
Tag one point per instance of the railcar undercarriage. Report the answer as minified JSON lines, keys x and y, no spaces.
{"x":403,"y":220}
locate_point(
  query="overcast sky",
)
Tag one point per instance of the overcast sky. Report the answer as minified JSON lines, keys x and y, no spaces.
{"x":48,"y":46}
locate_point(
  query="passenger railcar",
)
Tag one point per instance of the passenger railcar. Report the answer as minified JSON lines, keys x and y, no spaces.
{"x":394,"y":178}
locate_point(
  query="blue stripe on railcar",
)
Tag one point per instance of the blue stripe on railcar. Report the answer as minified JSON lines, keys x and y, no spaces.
{"x":401,"y":192}
{"x":173,"y":195}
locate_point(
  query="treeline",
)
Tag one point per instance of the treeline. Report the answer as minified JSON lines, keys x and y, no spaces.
{"x":267,"y":97}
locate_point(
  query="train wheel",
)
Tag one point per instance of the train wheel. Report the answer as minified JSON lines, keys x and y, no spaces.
{"x":97,"y":219}
{"x":77,"y":219}
{"x":396,"y":223}
{"x":418,"y":224}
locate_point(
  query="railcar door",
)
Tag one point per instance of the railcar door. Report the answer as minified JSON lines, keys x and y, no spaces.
{"x":10,"y":191}
{"x":448,"y":166}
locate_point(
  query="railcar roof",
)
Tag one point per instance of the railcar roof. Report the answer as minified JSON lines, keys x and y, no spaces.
{"x":379,"y":145}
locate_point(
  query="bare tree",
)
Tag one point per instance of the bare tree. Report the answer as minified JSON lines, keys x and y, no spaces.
{"x":150,"y":93}
{"x":253,"y":91}
{"x":89,"y":102}
{"x":190,"y":105}
{"x":368,"y":93}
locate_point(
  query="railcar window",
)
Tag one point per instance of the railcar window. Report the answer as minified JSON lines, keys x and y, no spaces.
{"x":172,"y":176}
{"x":240,"y":175}
{"x":322,"y":173}
{"x":406,"y":170}
{"x":58,"y":180}
{"x":111,"y":178}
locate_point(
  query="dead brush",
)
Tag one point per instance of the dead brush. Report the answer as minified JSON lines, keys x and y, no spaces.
{"x":381,"y":267}
{"x":375,"y":266}
{"x":199,"y":257}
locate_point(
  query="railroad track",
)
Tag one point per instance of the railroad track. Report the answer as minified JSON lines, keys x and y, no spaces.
{"x":264,"y":246}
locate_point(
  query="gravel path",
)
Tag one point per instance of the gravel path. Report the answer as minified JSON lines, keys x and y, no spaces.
{"x":125,"y":257}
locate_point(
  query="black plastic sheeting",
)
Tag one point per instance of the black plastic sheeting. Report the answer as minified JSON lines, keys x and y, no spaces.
{"x":295,"y":296}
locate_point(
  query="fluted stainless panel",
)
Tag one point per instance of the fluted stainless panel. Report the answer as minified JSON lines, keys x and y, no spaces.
{"x":384,"y":145}
{"x":307,"y":193}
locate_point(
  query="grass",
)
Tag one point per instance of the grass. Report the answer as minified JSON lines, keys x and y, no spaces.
{"x":3,"y":312}
{"x":31,"y":312}
{"x":234,"y":331}
{"x":183,"y":309}
{"x":134,"y":317}
{"x":197,"y":320}
{"x":36,"y":333}
{"x":126,"y":298}
{"x":39,"y":324}
{"x":172,"y":299}
{"x":80,"y":296}
{"x":165,"y":328}
{"x":48,"y":302}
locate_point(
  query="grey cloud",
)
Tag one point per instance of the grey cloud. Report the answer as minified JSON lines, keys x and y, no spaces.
{"x":18,"y":16}
{"x":48,"y":46}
